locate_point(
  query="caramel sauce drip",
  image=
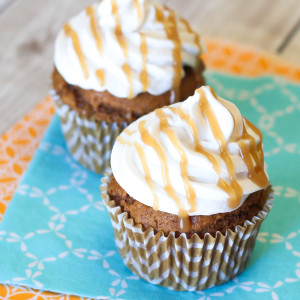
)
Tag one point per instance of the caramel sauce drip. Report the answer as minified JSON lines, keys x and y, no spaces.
{"x":127,"y":71}
{"x":100,"y":73}
{"x":196,"y":36}
{"x":95,"y":28}
{"x":70,"y":32}
{"x":141,"y":154}
{"x":118,"y":29}
{"x":159,"y":15}
{"x":90,"y":11}
{"x":164,"y":126}
{"x":148,"y":178}
{"x":150,"y":141}
{"x":144,"y":74}
{"x":128,"y":132}
{"x":194,"y":131}
{"x":122,"y":141}
{"x":253,"y":152}
{"x":233,"y":189}
{"x":139,"y":9}
{"x":170,"y":26}
{"x":123,"y":45}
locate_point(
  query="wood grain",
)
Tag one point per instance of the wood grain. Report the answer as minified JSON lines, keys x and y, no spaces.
{"x":290,"y":47}
{"x":28,"y":29}
{"x":262,"y":24}
{"x":292,"y":51}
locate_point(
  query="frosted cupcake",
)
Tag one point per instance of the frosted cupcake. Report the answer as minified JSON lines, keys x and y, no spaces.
{"x":115,"y":62}
{"x":188,"y":192}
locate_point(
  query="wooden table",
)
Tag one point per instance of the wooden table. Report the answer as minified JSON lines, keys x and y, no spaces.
{"x":28,"y":29}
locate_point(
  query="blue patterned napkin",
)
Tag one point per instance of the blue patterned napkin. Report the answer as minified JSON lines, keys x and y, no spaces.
{"x":56,"y":234}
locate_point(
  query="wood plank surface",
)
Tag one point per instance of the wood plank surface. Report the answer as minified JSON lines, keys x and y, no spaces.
{"x":261,"y":24}
{"x":27,"y":32}
{"x":28,"y":29}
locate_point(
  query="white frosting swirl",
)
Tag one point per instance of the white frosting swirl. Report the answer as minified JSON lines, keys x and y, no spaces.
{"x":121,"y":26}
{"x":201,"y":174}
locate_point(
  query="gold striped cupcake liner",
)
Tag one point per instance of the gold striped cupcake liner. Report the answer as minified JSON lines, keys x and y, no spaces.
{"x":181,"y":263}
{"x":89,"y":141}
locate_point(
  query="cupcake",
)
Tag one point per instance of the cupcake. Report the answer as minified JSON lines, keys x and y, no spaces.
{"x":115,"y":62}
{"x":188,"y":192}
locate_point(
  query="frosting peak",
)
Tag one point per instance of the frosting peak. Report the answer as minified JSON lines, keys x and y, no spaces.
{"x":126,"y":47}
{"x":130,"y":14}
{"x":197,"y":157}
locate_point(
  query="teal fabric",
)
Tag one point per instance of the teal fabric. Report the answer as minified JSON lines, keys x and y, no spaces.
{"x":56,"y":234}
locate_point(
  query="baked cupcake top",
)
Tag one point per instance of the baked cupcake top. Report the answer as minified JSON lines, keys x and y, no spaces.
{"x":126,"y":47}
{"x":197,"y":157}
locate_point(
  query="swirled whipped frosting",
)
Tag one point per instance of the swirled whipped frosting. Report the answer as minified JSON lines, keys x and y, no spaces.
{"x":197,"y":157}
{"x":126,"y":47}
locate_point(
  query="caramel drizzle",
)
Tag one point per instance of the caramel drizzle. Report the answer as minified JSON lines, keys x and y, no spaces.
{"x":147,"y":174}
{"x":150,"y":141}
{"x":70,"y":32}
{"x":144,"y":74}
{"x":159,"y":15}
{"x":194,"y":131}
{"x":253,"y":152}
{"x":164,"y":126}
{"x":233,"y":189}
{"x":122,"y":141}
{"x":196,"y":36}
{"x":95,"y":28}
{"x":141,"y":154}
{"x":139,"y":9}
{"x":100,"y":73}
{"x":90,"y":11}
{"x":128,"y":132}
{"x":123,"y":45}
{"x":170,"y":26}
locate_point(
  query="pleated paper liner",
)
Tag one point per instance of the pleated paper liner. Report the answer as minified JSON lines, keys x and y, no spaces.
{"x":180,"y":263}
{"x":89,"y":141}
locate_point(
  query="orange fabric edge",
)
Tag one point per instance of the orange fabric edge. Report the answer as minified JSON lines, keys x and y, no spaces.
{"x":242,"y":60}
{"x":17,"y":147}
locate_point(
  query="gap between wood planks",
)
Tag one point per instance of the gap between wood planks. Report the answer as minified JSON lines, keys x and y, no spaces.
{"x":289,"y":37}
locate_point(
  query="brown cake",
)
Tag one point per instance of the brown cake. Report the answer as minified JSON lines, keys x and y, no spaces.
{"x":115,"y":62}
{"x":103,"y":106}
{"x":166,"y":222}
